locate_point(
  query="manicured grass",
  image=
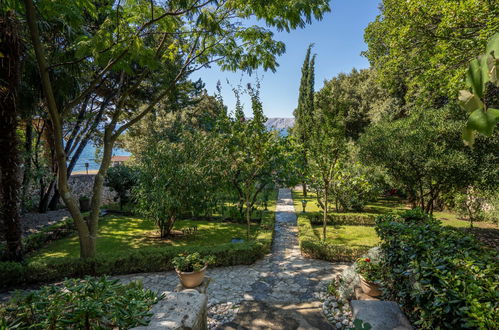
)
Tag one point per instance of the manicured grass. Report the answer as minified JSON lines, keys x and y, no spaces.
{"x":119,"y":233}
{"x":384,"y":206}
{"x":126,"y":233}
{"x":349,"y":235}
{"x":350,"y":241}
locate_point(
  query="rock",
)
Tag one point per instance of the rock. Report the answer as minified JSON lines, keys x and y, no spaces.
{"x":380,"y":314}
{"x":179,"y":310}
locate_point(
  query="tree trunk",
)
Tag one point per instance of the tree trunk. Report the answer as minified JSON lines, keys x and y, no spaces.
{"x":304,"y":188}
{"x":10,"y":65}
{"x":27,"y":175}
{"x":248,"y":220}
{"x":324,"y":224}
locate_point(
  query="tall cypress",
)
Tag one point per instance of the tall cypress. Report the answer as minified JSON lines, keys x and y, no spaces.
{"x":304,"y":111}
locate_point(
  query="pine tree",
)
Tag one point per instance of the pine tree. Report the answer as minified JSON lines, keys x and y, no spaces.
{"x":304,"y":111}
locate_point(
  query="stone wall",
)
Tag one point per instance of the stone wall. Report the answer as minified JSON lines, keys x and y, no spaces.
{"x":82,"y":184}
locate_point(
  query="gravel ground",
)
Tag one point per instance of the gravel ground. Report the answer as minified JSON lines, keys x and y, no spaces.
{"x":33,"y":222}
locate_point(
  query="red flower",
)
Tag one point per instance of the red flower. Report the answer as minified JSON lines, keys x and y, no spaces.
{"x":368,"y":260}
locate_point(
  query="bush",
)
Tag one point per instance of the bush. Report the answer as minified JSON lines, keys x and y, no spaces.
{"x":443,"y":278}
{"x":80,"y":304}
{"x":312,"y":246}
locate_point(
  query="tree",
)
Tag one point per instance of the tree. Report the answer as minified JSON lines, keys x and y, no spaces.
{"x":11,"y":52}
{"x":174,"y":178}
{"x":121,"y":179}
{"x":142,"y":46}
{"x":326,"y":146}
{"x":304,"y":112}
{"x":424,"y":155}
{"x":421,"y":48}
{"x":253,"y":155}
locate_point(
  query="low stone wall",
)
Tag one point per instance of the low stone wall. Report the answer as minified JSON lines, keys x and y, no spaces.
{"x":82,"y":184}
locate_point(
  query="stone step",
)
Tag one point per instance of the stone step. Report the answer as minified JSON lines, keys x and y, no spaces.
{"x":260,"y":315}
{"x":381,"y":315}
{"x":360,"y":295}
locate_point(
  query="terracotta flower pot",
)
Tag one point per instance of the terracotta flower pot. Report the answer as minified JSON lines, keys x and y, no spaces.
{"x":191,"y":279}
{"x":369,"y":288}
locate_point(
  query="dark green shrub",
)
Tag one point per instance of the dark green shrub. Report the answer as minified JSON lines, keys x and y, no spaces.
{"x":443,"y":278}
{"x":92,"y":303}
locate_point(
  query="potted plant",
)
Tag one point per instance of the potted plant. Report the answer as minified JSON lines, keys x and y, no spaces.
{"x":190,"y":268}
{"x":369,"y":272}
{"x":84,"y":204}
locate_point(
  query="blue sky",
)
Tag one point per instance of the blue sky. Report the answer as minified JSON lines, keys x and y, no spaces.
{"x":338,"y":39}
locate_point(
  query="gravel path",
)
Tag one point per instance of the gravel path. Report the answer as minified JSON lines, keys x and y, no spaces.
{"x":33,"y":222}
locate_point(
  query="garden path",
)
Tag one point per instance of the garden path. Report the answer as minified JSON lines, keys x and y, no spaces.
{"x":282,"y":278}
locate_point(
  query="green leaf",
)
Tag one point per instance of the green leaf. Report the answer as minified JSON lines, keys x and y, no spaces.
{"x":483,"y":121}
{"x":493,"y":45}
{"x":474,"y":77}
{"x":469,"y":102}
{"x":493,"y":67}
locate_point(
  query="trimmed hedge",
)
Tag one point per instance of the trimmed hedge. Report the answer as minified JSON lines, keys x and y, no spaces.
{"x":146,"y":259}
{"x":442,"y":278}
{"x":312,"y":246}
{"x":316,"y":219}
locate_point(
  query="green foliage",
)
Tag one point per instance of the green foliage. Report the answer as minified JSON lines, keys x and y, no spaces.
{"x":421,"y":48}
{"x":423,"y":154}
{"x":370,"y":270}
{"x":483,"y":116}
{"x":174,"y":178}
{"x":443,"y":278}
{"x":192,"y":262}
{"x":121,"y":179}
{"x":361,"y":325}
{"x":80,"y":304}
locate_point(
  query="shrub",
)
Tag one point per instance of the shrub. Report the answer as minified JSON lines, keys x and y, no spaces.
{"x":443,"y":278}
{"x":312,"y":246}
{"x":121,"y":179}
{"x":192,"y":262}
{"x":370,"y":270}
{"x":91,"y":303}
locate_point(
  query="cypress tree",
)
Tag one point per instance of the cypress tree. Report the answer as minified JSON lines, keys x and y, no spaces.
{"x":305,"y":109}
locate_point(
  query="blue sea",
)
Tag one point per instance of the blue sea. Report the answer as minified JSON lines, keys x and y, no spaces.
{"x":88,"y":156}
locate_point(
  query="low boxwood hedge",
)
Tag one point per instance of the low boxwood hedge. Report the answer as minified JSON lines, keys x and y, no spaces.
{"x":312,"y":246}
{"x":316,"y":219}
{"x":443,"y":278}
{"x":145,"y":259}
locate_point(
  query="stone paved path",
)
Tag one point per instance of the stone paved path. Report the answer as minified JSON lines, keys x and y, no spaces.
{"x":284,"y":276}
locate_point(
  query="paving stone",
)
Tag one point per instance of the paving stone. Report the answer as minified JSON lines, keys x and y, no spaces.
{"x":381,"y":315}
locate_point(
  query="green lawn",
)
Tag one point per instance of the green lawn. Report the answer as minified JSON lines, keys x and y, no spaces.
{"x":357,"y":236}
{"x":118,"y":233}
{"x":349,"y":235}
{"x":121,"y":233}
{"x":384,"y":206}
